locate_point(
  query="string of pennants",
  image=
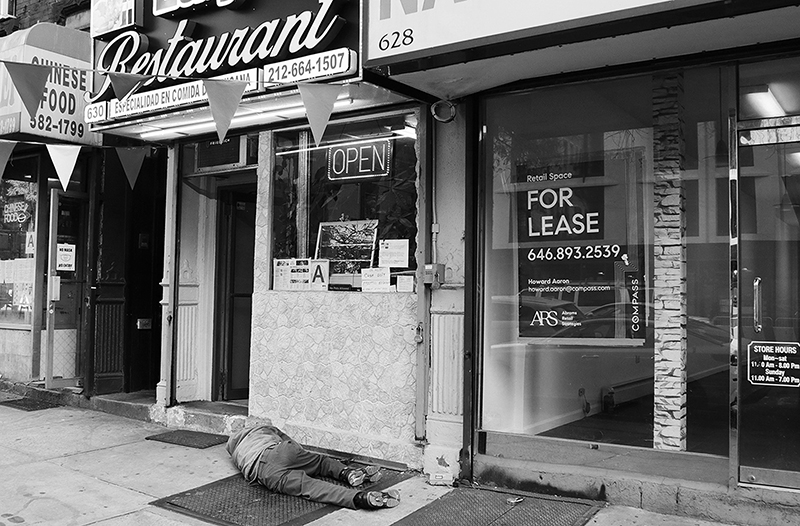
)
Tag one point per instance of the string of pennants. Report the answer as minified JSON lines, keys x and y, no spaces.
{"x":64,"y":157}
{"x":224,"y":96}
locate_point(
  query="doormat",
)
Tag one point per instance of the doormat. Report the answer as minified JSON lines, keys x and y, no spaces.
{"x":188,"y":438}
{"x":233,"y":502}
{"x":477,"y":507}
{"x":28,"y":404}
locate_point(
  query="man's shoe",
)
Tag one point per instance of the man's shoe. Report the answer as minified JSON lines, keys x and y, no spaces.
{"x":383,"y":499}
{"x":356,"y":477}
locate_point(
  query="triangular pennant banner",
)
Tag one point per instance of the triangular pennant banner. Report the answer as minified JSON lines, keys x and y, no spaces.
{"x":319,"y":100}
{"x":223,"y":99}
{"x":124,"y":84}
{"x":64,"y":157}
{"x":131,"y":159}
{"x":6,"y":147}
{"x":29,"y":79}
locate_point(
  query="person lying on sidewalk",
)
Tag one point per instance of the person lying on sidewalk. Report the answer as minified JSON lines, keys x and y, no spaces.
{"x":267,"y":455}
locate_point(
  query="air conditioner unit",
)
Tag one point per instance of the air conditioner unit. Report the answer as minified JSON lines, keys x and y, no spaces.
{"x":213,"y":156}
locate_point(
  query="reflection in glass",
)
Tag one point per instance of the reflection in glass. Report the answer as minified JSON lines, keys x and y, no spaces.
{"x":569,"y":341}
{"x":362,"y":174}
{"x":568,"y":305}
{"x":18,"y":198}
{"x":770,"y":404}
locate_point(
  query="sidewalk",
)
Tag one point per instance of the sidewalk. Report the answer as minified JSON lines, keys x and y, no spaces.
{"x":72,"y":466}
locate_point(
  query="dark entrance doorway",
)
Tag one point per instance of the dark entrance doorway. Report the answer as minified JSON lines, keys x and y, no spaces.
{"x":145,"y":249}
{"x":236,"y":244}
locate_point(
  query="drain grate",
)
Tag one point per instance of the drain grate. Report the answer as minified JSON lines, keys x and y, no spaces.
{"x":28,"y":404}
{"x":233,"y":502}
{"x":188,"y":438}
{"x":475,"y":507}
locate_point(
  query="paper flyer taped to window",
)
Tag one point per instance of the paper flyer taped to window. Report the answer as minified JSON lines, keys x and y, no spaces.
{"x":300,"y":274}
{"x":393,"y":253}
{"x":375,"y":280}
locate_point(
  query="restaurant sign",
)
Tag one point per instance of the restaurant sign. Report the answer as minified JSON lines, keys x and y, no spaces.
{"x":276,"y":43}
{"x":60,"y":114}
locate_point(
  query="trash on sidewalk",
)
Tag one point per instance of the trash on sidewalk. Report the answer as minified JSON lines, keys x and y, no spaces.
{"x":440,"y":479}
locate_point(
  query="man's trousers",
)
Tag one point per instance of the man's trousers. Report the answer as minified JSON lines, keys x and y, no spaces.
{"x":290,"y":469}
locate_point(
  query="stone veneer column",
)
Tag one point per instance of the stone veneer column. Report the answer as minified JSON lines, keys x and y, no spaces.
{"x":669,"y":268}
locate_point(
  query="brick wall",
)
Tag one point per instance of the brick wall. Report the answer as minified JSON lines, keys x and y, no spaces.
{"x":669,"y":419}
{"x":29,"y":12}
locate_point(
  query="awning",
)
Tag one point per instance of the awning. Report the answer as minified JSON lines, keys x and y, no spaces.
{"x":487,"y":64}
{"x":260,"y":110}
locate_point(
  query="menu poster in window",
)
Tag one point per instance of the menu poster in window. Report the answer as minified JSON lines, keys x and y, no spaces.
{"x":349,"y":245}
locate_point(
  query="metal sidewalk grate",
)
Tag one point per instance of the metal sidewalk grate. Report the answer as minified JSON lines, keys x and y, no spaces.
{"x":188,"y":438}
{"x":474,"y":507}
{"x":233,"y":502}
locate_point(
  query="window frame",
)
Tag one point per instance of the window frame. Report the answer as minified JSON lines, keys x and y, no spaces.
{"x":421,"y":169}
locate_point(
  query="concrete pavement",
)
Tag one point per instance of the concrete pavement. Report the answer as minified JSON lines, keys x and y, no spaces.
{"x":74,"y":467}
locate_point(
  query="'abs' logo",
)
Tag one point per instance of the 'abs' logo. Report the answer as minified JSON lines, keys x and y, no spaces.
{"x":545,"y":317}
{"x":409,"y":6}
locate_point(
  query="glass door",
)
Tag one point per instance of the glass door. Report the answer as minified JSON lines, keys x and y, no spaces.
{"x":62,"y":338}
{"x":769,"y":307}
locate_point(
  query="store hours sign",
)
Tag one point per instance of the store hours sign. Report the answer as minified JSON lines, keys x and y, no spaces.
{"x":773,"y":363}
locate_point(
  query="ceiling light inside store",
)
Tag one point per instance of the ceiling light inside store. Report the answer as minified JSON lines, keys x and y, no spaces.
{"x":262,"y":109}
{"x":407,"y":131}
{"x":245,"y":116}
{"x":763,"y":102}
{"x":793,"y":158}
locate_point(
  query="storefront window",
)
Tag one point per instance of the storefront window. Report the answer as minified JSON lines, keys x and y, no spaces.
{"x":18,"y":198}
{"x":583,"y":253}
{"x":345,"y":212}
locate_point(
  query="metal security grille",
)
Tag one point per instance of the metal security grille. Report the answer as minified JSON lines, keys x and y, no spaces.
{"x":474,"y":507}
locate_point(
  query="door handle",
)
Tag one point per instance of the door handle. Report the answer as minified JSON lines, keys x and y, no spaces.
{"x":757,"y":304}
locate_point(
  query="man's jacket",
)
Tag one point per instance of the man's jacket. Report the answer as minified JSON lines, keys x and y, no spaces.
{"x":246,"y":447}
